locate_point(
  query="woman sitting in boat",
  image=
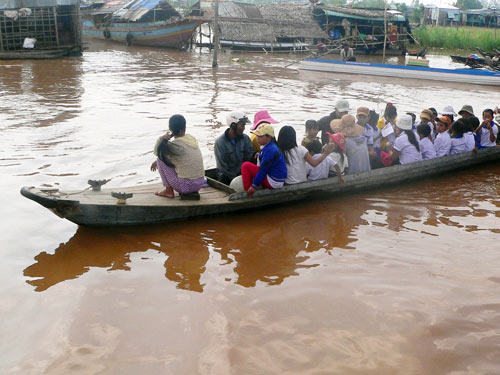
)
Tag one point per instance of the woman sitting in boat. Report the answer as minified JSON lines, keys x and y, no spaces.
{"x":406,"y":147}
{"x":356,"y":146}
{"x":270,"y":171}
{"x":297,"y":156}
{"x":261,"y":117}
{"x":179,"y":162}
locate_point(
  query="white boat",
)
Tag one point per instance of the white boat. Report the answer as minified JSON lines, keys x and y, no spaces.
{"x":474,"y":76}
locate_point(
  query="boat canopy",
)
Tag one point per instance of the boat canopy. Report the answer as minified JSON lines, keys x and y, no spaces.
{"x":390,"y":16}
{"x":18,"y":4}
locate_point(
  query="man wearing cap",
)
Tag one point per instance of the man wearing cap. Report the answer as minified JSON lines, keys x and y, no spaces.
{"x":233,"y":148}
{"x":341,"y":109}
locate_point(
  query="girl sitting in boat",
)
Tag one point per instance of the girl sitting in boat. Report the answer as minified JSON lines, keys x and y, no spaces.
{"x":406,"y":147}
{"x":312,"y":130}
{"x":270,"y":171}
{"x":487,"y":131}
{"x":442,"y":143}
{"x":326,"y":167}
{"x":179,"y":162}
{"x":426,"y":146}
{"x":297,"y":156}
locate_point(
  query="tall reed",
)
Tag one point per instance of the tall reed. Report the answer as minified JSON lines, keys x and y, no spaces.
{"x":462,"y":37}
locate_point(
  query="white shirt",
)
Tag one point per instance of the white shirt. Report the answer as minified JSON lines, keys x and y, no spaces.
{"x":427,"y":149}
{"x":336,"y":158}
{"x":322,"y":170}
{"x":458,"y":145}
{"x":485,"y":136}
{"x":470,"y":141}
{"x":408,"y":153}
{"x":442,"y":144}
{"x":296,"y":165}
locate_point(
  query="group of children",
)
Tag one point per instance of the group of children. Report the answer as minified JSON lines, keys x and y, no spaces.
{"x":348,"y":145}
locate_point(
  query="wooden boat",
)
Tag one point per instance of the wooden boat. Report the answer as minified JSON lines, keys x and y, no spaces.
{"x":152,"y":23}
{"x":100,"y":208}
{"x":474,"y":76}
{"x":38,"y":54}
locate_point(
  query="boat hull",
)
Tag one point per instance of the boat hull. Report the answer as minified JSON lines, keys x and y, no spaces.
{"x":101,"y":209}
{"x":40,"y":54}
{"x":480,"y":77}
{"x":154,"y":34}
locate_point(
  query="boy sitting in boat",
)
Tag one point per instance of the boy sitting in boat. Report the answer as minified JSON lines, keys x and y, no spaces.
{"x":487,"y":131}
{"x":179,"y":162}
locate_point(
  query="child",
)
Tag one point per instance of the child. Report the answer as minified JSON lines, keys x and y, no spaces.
{"x":406,"y":147}
{"x":458,"y":141}
{"x":386,"y":125}
{"x":323,"y":169}
{"x":471,"y":123}
{"x":297,"y":156}
{"x":426,"y":147}
{"x":338,"y":155}
{"x":487,"y":130}
{"x":312,"y":130}
{"x":442,"y":144}
{"x":271,"y":171}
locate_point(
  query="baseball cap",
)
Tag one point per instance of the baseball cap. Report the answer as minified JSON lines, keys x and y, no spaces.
{"x":264,"y":129}
{"x":236,"y":116}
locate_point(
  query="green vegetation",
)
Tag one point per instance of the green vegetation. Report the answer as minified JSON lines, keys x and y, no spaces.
{"x":458,"y":37}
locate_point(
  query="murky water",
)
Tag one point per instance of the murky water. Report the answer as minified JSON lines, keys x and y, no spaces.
{"x":397,"y":281}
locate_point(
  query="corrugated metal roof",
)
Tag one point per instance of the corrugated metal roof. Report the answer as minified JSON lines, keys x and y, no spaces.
{"x":18,"y":4}
{"x":111,"y":7}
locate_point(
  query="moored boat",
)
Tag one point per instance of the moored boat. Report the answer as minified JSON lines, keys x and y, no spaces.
{"x":152,"y":23}
{"x":101,"y":208}
{"x":474,"y":76}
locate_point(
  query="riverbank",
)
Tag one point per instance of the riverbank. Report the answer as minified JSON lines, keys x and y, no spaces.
{"x":458,"y":37}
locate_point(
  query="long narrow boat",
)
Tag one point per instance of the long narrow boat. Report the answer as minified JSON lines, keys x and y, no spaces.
{"x":152,"y":34}
{"x":474,"y":76}
{"x":40,"y":54}
{"x":100,"y":208}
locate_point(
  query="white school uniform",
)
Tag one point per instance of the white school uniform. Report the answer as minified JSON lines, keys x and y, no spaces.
{"x":296,"y":165}
{"x":485,"y":136}
{"x":322,"y":170}
{"x":408,"y":153}
{"x":427,"y":149}
{"x":470,"y":142}
{"x":458,"y":145}
{"x":442,"y":144}
{"x":336,"y":158}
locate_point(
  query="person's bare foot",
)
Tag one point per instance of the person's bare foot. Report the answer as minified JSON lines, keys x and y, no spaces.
{"x":167,"y":192}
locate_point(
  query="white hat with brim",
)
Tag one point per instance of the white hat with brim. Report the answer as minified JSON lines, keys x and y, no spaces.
{"x":405,"y":122}
{"x":448,"y":110}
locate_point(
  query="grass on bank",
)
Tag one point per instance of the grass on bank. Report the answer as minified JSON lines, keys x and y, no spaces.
{"x":462,"y":37}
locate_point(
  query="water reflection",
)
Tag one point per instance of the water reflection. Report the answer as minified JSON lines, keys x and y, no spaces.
{"x":266,"y":248}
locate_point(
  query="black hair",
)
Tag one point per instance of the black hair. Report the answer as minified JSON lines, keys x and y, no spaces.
{"x":390,"y":111}
{"x":373,"y":118}
{"x":424,"y":129}
{"x":459,"y":127}
{"x":472,"y":123}
{"x":177,"y":124}
{"x":450,"y":117}
{"x":488,"y":110}
{"x":287,"y":139}
{"x":314,"y":147}
{"x":434,"y":111}
{"x":312,"y":124}
{"x":412,"y":139}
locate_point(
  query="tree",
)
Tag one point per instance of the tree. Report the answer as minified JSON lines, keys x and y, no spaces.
{"x":469,"y":4}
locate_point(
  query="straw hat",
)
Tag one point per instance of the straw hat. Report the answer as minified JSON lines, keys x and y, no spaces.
{"x":349,"y":127}
{"x":336,"y":125}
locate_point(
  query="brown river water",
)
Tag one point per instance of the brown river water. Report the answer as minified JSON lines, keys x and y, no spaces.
{"x":404,"y":280}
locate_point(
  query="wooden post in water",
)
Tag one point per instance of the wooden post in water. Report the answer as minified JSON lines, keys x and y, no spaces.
{"x":216,"y":33}
{"x":385,"y":31}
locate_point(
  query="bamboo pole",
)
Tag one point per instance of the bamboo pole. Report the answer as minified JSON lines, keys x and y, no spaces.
{"x":216,"y":34}
{"x":385,"y":30}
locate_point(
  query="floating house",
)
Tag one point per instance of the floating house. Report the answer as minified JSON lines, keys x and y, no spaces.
{"x":364,"y":28}
{"x":38,"y":29}
{"x":480,"y":17}
{"x":266,"y":27}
